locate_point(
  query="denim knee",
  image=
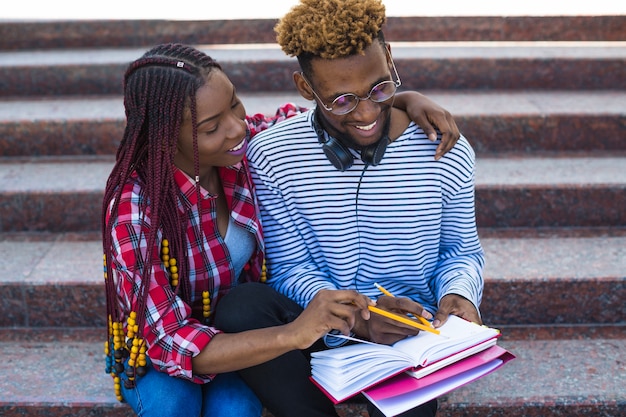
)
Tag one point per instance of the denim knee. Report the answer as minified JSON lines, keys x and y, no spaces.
{"x":158,"y":394}
{"x":229,"y":395}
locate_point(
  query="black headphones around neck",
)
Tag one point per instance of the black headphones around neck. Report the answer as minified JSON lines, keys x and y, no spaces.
{"x":339,"y":154}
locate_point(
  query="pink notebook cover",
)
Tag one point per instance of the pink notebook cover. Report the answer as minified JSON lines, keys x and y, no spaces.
{"x":404,"y":392}
{"x":402,"y":383}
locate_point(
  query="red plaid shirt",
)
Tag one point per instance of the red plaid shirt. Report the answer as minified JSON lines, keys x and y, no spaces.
{"x":173,"y":331}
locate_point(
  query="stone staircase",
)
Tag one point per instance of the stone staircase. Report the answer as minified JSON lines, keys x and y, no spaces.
{"x":542,"y":100}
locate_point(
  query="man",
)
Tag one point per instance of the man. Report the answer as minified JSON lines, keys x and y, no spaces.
{"x":351,"y":195}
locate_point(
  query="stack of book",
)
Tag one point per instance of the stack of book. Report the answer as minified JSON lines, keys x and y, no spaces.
{"x":398,"y":377}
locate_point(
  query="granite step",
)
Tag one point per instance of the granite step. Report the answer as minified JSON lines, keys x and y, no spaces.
{"x":64,"y":194}
{"x":496,"y":122}
{"x":19,"y":35}
{"x":542,"y":99}
{"x":575,"y":371}
{"x":559,"y":276}
{"x":264,"y":67}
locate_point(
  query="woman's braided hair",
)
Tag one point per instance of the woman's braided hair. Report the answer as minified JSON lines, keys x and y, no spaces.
{"x":159,"y":91}
{"x":330,"y":29}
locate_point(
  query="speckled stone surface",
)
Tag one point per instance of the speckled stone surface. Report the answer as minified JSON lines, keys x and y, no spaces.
{"x":55,"y":34}
{"x":564,"y":377}
{"x":42,"y":279}
{"x":516,"y":192}
{"x":551,"y":278}
{"x":551,"y":192}
{"x":430,"y":65}
{"x":496,"y":123}
{"x":528,"y":280}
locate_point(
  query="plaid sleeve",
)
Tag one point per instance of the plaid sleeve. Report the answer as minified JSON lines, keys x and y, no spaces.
{"x":259,"y":122}
{"x":173,"y":337}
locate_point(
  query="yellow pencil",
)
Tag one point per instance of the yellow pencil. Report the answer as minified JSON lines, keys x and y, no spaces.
{"x":402,"y":319}
{"x":388,"y":294}
{"x":383,"y":290}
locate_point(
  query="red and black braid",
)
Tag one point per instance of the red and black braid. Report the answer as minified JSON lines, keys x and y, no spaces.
{"x":158,"y":88}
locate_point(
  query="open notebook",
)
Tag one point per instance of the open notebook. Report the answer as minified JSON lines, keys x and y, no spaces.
{"x":346,"y":371}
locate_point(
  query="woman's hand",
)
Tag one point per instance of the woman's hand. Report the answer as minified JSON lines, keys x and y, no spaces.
{"x":430,"y":117}
{"x":330,"y":310}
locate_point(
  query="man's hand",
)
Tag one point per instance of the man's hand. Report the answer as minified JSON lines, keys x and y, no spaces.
{"x":457,"y":305}
{"x":384,"y":330}
{"x":431,"y":117}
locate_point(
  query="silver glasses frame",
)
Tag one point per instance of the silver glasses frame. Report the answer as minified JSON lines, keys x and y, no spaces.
{"x":396,"y":83}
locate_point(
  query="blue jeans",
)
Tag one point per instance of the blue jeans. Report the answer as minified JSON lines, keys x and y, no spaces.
{"x":158,"y":394}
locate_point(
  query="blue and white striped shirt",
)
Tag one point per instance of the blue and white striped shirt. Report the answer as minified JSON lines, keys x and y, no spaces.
{"x":411,"y":227}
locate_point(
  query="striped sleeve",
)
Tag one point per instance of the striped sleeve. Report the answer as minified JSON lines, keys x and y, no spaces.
{"x":461,"y":259}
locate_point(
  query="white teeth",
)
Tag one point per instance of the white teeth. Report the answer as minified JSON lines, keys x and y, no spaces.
{"x":236,"y":148}
{"x":368,"y":127}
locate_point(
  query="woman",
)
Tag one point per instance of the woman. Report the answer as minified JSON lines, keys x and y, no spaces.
{"x":180,"y":229}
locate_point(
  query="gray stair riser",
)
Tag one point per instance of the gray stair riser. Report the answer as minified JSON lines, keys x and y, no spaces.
{"x":551,"y":206}
{"x":554,"y":301}
{"x":123,"y":33}
{"x":488,"y":134}
{"x":510,"y":206}
{"x":422,"y":73}
{"x":505,"y":302}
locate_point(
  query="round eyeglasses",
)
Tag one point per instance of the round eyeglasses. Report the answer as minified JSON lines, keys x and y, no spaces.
{"x":345,"y":103}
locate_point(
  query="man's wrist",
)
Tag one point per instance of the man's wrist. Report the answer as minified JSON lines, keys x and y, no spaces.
{"x":361,"y":328}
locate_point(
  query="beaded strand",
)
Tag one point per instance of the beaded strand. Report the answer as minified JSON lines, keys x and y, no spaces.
{"x":113,"y":349}
{"x":116,"y":351}
{"x":136,"y":346}
{"x":263,"y":272}
{"x":172,"y":267}
{"x":170,"y":263}
{"x":118,"y":347}
{"x":206,"y":304}
{"x":119,"y":354}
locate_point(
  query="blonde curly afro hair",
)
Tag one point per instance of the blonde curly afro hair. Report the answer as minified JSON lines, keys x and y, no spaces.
{"x":330,"y":29}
